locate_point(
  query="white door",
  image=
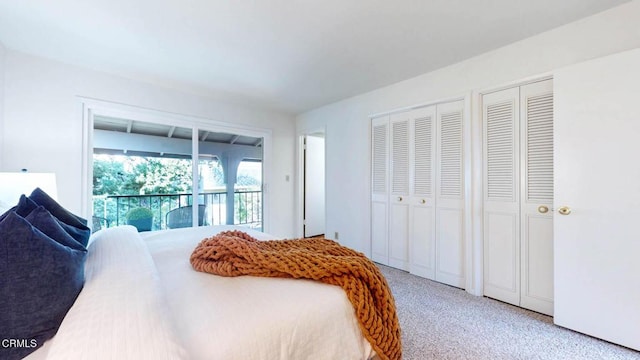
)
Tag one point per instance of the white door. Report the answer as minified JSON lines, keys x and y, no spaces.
{"x":597,"y":179}
{"x":502,"y":195}
{"x":380,"y":190}
{"x":536,"y":200}
{"x":422,"y":244}
{"x":314,"y":208}
{"x":399,"y":199}
{"x":449,"y":195}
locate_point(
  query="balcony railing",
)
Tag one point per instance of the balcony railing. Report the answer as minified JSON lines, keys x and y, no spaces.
{"x":111,"y":210}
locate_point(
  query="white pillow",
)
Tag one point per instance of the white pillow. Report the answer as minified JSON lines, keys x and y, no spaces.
{"x":121,"y":312}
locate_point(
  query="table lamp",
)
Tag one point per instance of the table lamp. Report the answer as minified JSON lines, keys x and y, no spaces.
{"x":14,"y":184}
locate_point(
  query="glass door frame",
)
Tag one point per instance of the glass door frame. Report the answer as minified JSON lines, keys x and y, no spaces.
{"x":92,"y":107}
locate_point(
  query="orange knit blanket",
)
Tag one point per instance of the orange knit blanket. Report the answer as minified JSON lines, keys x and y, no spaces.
{"x":235,"y":253}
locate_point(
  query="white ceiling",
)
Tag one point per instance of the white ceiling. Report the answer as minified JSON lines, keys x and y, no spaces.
{"x":285,"y":54}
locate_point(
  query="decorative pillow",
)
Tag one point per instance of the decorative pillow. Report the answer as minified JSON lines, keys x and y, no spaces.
{"x":42,"y":220}
{"x":39,"y":281}
{"x":77,"y":226}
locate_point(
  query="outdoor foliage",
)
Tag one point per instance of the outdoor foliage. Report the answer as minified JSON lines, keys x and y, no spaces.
{"x":133,"y":175}
{"x":115,"y":175}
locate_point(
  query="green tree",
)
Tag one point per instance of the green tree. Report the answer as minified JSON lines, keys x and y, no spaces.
{"x":164,"y":176}
{"x":111,"y":178}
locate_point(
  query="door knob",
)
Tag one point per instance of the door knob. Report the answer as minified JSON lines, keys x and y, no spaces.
{"x":399,"y":198}
{"x":565,"y":210}
{"x":423,"y":201}
{"x":542,"y":209}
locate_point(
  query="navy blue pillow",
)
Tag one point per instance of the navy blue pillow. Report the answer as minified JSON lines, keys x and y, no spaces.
{"x":42,"y":220}
{"x":77,"y":226}
{"x":39,"y":281}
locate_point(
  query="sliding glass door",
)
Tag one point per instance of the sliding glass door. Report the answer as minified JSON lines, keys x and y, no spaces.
{"x":143,"y":175}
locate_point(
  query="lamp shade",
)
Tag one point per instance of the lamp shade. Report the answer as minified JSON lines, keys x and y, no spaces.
{"x":14,"y":184}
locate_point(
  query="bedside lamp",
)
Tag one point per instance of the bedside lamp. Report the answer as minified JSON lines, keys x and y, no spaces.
{"x":14,"y":184}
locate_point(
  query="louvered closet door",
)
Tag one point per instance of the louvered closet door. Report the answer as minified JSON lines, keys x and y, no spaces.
{"x":422,"y":202}
{"x":380,"y":190}
{"x":449,"y":195}
{"x":502,"y":195}
{"x":536,"y":114}
{"x":399,"y":199}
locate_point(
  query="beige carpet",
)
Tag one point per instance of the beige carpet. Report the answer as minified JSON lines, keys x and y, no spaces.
{"x":443,"y":322}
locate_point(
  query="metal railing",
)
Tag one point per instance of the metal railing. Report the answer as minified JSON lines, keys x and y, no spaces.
{"x":111,"y":210}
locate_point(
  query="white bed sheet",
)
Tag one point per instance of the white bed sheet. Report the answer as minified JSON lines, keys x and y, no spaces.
{"x":251,"y":318}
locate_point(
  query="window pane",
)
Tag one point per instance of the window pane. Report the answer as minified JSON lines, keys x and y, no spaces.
{"x":213,"y":194}
{"x":230,"y":179}
{"x":141,"y":174}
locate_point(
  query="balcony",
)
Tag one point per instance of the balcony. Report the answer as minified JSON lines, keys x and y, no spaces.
{"x":111,"y":210}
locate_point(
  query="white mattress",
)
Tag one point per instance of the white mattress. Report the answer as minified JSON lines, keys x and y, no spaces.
{"x":248,"y":317}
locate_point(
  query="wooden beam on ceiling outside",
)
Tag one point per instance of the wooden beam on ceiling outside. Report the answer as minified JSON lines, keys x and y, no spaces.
{"x":171,"y":131}
{"x":258,"y":143}
{"x":129,"y":126}
{"x":204,"y":136}
{"x":234,"y":139}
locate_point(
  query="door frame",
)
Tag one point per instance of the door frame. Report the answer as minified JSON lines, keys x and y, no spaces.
{"x":299,"y":186}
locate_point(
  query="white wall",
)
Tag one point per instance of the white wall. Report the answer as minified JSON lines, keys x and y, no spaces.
{"x":43,"y":125}
{"x":347,"y":121}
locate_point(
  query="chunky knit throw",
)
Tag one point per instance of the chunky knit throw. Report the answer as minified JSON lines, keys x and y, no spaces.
{"x":235,"y":253}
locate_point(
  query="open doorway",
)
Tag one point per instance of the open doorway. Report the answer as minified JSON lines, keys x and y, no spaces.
{"x":313,"y":185}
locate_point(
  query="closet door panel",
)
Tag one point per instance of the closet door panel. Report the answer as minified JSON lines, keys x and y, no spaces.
{"x":449,"y":194}
{"x":422,"y":202}
{"x":379,"y":233}
{"x":380,"y":189}
{"x":537,"y":265}
{"x":399,"y":232}
{"x":399,"y":200}
{"x":501,"y":257}
{"x":501,"y":195}
{"x":423,"y":241}
{"x":450,"y":254}
{"x":536,"y":143}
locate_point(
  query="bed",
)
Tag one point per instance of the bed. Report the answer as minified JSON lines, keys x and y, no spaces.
{"x":143,"y":300}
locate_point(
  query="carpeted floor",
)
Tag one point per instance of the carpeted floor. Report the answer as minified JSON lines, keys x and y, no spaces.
{"x":443,"y":322}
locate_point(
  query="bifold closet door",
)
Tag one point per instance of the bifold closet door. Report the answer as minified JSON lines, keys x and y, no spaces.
{"x":380,"y":190}
{"x":422,"y":244}
{"x":502,"y":195}
{"x":518,"y":196}
{"x":536,"y":253}
{"x":449,"y":195}
{"x":399,"y":200}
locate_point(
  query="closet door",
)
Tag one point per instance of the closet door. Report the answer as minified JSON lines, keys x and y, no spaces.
{"x":380,"y":190}
{"x":449,"y":195}
{"x":502,"y":195}
{"x":399,"y":199}
{"x":536,"y":253}
{"x":422,"y":202}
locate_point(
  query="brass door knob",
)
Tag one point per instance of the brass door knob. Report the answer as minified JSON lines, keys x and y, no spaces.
{"x":542,"y":209}
{"x":423,"y":201}
{"x":565,"y":210}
